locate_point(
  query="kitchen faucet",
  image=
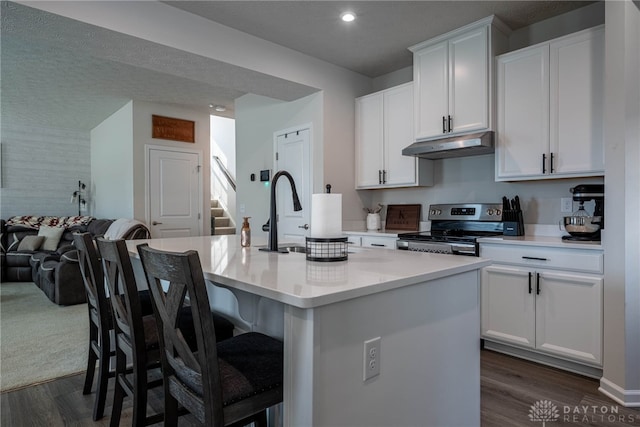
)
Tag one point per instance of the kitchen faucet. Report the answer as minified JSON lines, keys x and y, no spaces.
{"x":272,"y":246}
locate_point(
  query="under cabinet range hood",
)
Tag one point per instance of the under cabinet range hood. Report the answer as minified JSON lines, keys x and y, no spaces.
{"x":473,"y":144}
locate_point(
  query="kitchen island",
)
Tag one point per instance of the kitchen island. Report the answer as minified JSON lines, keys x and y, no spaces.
{"x":424,"y":308}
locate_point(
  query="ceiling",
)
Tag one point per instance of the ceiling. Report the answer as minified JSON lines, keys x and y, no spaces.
{"x":61,"y":73}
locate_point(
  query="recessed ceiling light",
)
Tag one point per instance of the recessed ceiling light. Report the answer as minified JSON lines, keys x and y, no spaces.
{"x":348,"y":16}
{"x":218,"y":108}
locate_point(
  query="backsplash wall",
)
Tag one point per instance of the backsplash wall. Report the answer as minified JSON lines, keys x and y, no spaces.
{"x":40,"y":170}
{"x":471,"y":179}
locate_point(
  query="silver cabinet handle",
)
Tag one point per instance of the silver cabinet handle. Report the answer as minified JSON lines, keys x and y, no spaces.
{"x":156,"y":223}
{"x":306,"y":226}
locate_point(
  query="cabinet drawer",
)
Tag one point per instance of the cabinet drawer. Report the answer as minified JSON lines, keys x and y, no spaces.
{"x":354,"y":240}
{"x":379,"y":242}
{"x":587,"y":261}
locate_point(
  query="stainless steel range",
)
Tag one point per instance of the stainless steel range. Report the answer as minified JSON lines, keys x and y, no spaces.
{"x":455,"y":229}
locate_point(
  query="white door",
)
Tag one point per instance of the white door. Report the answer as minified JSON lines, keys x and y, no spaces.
{"x":508,"y":305}
{"x":293,"y":155}
{"x":569,"y":316}
{"x":469,"y":81}
{"x":175,"y":196}
{"x":523,"y":113}
{"x":577,"y":102}
{"x":398,"y":134}
{"x":369,"y":140}
{"x":431,"y":90}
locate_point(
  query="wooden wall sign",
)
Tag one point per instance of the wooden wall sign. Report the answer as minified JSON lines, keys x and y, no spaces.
{"x":173,"y":129}
{"x":403,"y":217}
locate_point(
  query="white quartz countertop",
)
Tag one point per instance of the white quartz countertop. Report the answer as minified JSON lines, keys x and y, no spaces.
{"x":291,"y":279}
{"x":378,"y":233}
{"x":548,"y":241}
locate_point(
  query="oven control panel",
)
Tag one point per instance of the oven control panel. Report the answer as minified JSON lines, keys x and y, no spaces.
{"x":466,"y":211}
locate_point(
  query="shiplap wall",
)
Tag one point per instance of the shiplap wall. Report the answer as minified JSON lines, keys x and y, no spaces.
{"x":40,"y":170}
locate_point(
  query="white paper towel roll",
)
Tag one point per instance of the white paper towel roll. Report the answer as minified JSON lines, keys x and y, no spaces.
{"x":326,"y":215}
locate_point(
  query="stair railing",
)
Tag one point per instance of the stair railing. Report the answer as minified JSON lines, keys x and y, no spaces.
{"x":225,"y":172}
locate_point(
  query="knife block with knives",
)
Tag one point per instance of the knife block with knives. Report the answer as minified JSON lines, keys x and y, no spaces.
{"x":512,"y":219}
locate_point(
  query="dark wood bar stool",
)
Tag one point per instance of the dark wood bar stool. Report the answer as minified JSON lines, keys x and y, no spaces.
{"x":231,"y":382}
{"x":136,"y":336}
{"x":101,"y":320}
{"x":100,"y":323}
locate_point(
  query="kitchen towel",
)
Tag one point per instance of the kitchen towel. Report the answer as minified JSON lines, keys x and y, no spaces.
{"x":326,"y":215}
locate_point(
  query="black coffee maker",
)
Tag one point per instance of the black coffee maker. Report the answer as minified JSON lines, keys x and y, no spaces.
{"x":575,"y":225}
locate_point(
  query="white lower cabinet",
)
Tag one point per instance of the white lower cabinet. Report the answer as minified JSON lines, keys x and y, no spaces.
{"x":354,"y":240}
{"x":555,"y":312}
{"x":366,"y":240}
{"x":379,"y":242}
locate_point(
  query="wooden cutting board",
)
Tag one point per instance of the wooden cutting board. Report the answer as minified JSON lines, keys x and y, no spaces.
{"x":403,"y":217}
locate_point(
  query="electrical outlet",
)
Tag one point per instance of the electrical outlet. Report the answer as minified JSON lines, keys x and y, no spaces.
{"x":371,"y":358}
{"x":566,"y":205}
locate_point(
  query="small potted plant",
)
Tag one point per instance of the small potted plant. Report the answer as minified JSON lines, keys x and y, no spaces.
{"x":373,"y":218}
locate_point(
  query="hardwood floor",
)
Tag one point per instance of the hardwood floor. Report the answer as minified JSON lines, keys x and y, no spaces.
{"x":510,"y":387}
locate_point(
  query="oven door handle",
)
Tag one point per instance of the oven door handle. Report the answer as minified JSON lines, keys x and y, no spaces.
{"x":463,"y":250}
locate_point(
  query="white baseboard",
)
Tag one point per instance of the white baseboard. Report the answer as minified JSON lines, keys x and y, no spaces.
{"x":628,"y":398}
{"x":544,"y":359}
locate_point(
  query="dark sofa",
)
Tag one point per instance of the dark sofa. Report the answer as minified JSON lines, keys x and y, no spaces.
{"x":55,"y":270}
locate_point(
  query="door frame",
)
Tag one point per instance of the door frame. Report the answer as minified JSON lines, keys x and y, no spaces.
{"x":292,"y":129}
{"x":147,"y":180}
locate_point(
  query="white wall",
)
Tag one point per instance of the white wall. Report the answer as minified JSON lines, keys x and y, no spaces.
{"x":621,"y":236}
{"x":223,"y":145}
{"x":471,"y":179}
{"x":257,"y":118}
{"x":112,"y":166}
{"x":41,"y":168}
{"x":142,"y":125}
{"x":570,"y":22}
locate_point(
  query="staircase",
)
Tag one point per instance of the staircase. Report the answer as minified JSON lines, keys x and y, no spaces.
{"x":220,"y":222}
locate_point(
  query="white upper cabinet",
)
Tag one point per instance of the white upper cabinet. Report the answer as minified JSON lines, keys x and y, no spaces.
{"x":550,"y":109}
{"x":453,"y":80}
{"x":523,"y":112}
{"x":369,"y":140}
{"x":384,"y":126}
{"x":577,"y":103}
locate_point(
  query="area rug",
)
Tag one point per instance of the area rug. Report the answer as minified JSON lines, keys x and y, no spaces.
{"x":39,"y":340}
